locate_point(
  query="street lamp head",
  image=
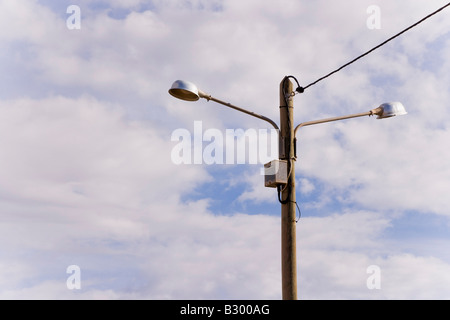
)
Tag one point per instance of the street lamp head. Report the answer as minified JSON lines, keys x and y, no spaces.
{"x":184,"y":90}
{"x":388,"y":110}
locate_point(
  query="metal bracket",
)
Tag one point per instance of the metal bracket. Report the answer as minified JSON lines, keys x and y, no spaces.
{"x":282,"y":148}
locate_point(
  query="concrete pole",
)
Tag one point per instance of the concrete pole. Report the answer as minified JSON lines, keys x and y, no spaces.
{"x":288,"y":216}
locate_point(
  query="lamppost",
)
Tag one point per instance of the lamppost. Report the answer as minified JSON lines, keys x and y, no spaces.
{"x":189,"y":92}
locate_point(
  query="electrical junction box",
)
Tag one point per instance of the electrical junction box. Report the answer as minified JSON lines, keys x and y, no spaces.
{"x":275,"y":173}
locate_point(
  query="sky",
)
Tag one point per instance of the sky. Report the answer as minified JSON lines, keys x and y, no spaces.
{"x":88,"y":177}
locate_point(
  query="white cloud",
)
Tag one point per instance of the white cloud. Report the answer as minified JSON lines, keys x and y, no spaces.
{"x":83,"y":184}
{"x":306,"y":186}
{"x":255,"y":190}
{"x":404,"y":274}
{"x":356,"y":240}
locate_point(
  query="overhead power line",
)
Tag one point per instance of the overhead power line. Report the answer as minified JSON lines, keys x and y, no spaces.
{"x":373,"y":49}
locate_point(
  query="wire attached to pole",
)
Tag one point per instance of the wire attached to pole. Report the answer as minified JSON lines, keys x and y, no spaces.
{"x":299,"y":212}
{"x":373,"y":49}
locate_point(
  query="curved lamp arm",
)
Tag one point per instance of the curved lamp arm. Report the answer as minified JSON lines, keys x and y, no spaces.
{"x":386,"y":110}
{"x":309,"y":123}
{"x":244,"y":111}
{"x":188,"y":91}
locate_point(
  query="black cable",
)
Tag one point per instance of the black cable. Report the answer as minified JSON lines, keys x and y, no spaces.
{"x":299,"y":89}
{"x":373,"y":49}
{"x":299,"y":212}
{"x":279,"y":196}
